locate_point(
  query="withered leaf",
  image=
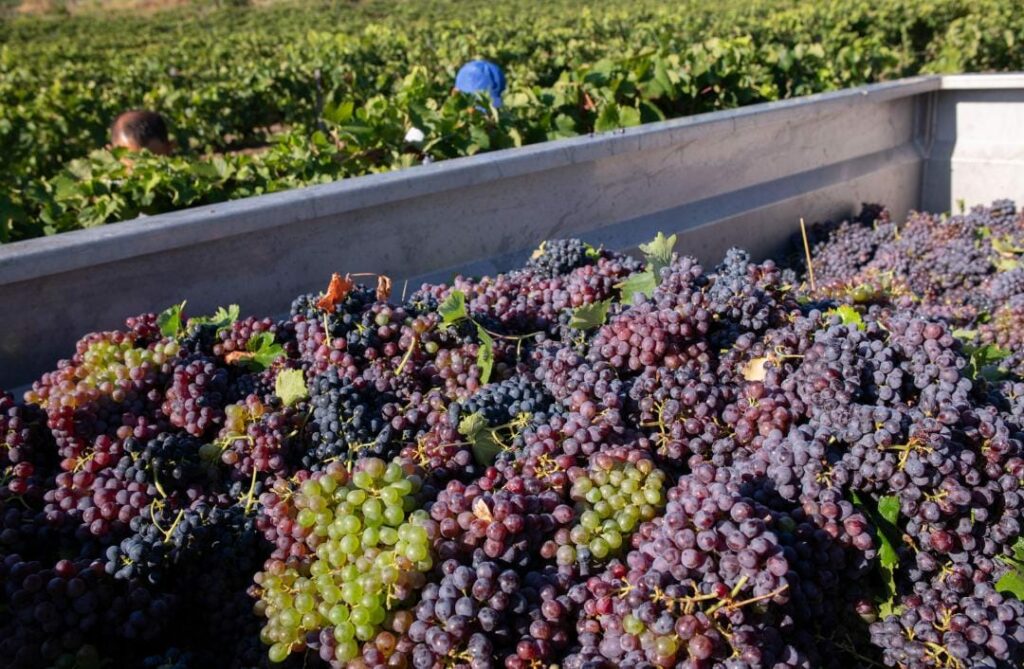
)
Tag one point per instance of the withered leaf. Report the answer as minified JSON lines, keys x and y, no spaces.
{"x":337,"y":291}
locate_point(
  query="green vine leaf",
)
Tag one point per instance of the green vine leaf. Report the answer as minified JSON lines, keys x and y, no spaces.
{"x":484,"y":354}
{"x":453,"y":308}
{"x":889,"y":508}
{"x":848,"y":315}
{"x":641,"y":283}
{"x":260,"y":352}
{"x":590,"y":316}
{"x":290,"y":386}
{"x":983,"y":362}
{"x":885,"y":516}
{"x":1006,"y":264}
{"x":481,"y":439}
{"x":222,"y":318}
{"x":1006,"y":246}
{"x":170,"y":320}
{"x":659,"y":254}
{"x":1012,"y":582}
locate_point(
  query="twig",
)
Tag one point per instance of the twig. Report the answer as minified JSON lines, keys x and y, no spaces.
{"x":807,"y":252}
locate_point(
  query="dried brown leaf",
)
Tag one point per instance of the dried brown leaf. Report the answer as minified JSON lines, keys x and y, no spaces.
{"x":383,"y":287}
{"x":754,"y":370}
{"x":337,"y":291}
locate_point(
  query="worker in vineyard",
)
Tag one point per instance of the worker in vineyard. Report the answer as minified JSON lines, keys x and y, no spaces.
{"x":141,"y":129}
{"x":473,"y":77}
{"x":481,"y":75}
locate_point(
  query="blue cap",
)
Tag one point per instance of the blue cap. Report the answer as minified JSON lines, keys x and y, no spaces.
{"x":481,"y":75}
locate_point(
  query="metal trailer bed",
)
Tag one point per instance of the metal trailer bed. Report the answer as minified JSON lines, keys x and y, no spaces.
{"x":739,"y":177}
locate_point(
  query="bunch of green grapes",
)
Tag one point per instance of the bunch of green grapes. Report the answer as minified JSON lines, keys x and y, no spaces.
{"x":614,"y":495}
{"x":372,"y":550}
{"x":106,"y":364}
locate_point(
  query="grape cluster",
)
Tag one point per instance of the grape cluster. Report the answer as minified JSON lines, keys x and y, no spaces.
{"x":939,"y":627}
{"x":346,"y":418}
{"x":258,"y":436}
{"x":196,"y":398}
{"x":370,"y":550}
{"x":559,"y":256}
{"x":507,"y":400}
{"x":613,"y":497}
{"x":489,"y":616}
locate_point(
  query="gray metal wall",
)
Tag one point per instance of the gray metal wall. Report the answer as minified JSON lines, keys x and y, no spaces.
{"x":976,"y":148}
{"x":740,"y":177}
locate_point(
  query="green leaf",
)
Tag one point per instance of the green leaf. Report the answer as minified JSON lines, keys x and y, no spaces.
{"x":608,"y":119}
{"x":590,"y":316}
{"x":290,"y":386}
{"x":642,"y":283}
{"x":169,"y":321}
{"x":1012,"y":583}
{"x":592,"y":252}
{"x":661,"y":77}
{"x":453,"y":308}
{"x":221,"y":319}
{"x":888,"y":511}
{"x":629,"y":117}
{"x":1003,"y":264}
{"x":983,"y":362}
{"x":885,"y":516}
{"x":659,"y":254}
{"x":889,"y":508}
{"x":848,"y":315}
{"x":484,"y":354}
{"x":1006,"y":246}
{"x":263,"y":351}
{"x":1018,"y":550}
{"x":65,"y":187}
{"x":223,"y":169}
{"x":481,"y":439}
{"x":965,"y":335}
{"x":339,"y":113}
{"x":565,"y":125}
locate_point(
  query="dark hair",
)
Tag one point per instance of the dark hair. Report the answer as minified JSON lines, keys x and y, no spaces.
{"x":140,"y":127}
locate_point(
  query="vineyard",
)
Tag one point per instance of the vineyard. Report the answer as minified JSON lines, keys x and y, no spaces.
{"x":263,"y":100}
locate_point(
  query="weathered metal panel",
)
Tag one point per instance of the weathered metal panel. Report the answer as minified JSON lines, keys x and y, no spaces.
{"x":977,"y":154}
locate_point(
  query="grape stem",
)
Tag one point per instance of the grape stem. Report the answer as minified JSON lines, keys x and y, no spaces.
{"x":156,"y":482}
{"x":807,"y":252}
{"x":252,"y":488}
{"x":728,"y":603}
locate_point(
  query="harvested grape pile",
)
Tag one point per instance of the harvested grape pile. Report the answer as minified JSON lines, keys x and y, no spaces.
{"x":588,"y":462}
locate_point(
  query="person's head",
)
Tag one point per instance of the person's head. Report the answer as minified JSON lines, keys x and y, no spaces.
{"x":481,"y":75}
{"x":140,"y":129}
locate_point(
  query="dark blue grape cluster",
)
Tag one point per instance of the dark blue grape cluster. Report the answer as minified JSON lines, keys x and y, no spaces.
{"x":344,"y":420}
{"x":559,"y":256}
